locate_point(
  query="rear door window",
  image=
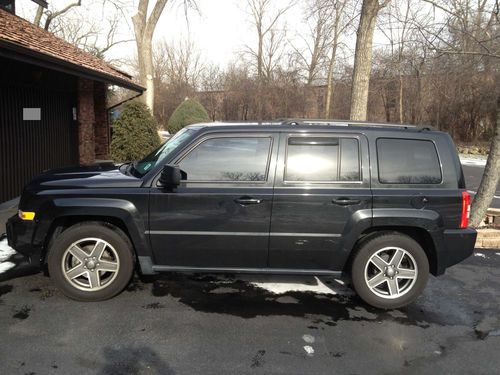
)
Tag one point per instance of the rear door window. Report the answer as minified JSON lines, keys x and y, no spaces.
{"x":408,"y":161}
{"x":322,"y":159}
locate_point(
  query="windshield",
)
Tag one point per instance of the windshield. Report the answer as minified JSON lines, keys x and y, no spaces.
{"x":143,"y":166}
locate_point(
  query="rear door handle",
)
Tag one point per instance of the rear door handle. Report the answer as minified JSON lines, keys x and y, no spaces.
{"x":244,"y":201}
{"x":345,"y":201}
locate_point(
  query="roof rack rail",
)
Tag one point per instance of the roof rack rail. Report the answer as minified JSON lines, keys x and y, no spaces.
{"x":306,"y":121}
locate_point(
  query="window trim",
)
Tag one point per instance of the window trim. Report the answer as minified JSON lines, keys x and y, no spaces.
{"x":234,"y":135}
{"x":440,"y":164}
{"x":331,"y":135}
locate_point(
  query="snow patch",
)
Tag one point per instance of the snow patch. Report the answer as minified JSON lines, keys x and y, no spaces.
{"x":5,"y":250}
{"x":480,"y":255}
{"x":473,"y":161}
{"x":6,"y":266}
{"x":308,"y":338}
{"x":285,"y":287}
{"x":309,"y":350}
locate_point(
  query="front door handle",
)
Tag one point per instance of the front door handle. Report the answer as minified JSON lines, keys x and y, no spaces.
{"x":345,"y":201}
{"x":244,"y":201}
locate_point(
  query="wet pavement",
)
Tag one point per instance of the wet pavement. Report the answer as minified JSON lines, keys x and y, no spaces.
{"x":212,"y":324}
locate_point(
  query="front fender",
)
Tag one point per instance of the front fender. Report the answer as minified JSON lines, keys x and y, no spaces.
{"x":120,"y":209}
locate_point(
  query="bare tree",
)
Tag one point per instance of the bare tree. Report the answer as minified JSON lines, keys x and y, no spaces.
{"x":178,"y":72}
{"x":312,"y":57}
{"x":363,"y":58}
{"x":52,"y":14}
{"x":144,"y":27}
{"x":96,"y":36}
{"x":396,"y":30}
{"x":265,"y":21}
{"x":342,"y":19}
{"x":475,"y":33}
{"x":489,"y":181}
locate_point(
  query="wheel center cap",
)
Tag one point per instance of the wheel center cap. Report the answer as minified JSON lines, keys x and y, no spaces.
{"x":90,"y":264}
{"x":390,"y":272}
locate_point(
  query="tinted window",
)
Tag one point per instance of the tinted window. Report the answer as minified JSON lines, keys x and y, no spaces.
{"x":317,"y":159}
{"x":405,"y":161}
{"x":142,"y":167}
{"x":349,"y":160}
{"x":228,"y":159}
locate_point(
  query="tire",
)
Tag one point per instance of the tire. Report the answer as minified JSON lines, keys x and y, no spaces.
{"x":99,"y":256}
{"x":381,"y":285}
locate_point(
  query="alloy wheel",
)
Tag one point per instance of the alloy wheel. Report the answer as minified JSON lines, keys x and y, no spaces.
{"x":391,"y":272}
{"x":90,"y":264}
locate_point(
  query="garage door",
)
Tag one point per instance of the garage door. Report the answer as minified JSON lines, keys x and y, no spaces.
{"x":28,"y":147}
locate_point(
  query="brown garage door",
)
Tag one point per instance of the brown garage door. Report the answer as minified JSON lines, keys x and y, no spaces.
{"x":30,"y":147}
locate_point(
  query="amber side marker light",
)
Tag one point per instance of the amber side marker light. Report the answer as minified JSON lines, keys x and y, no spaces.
{"x":464,"y":221}
{"x":24,"y":215}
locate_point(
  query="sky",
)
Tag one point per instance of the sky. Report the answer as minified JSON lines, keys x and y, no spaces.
{"x":220,"y":30}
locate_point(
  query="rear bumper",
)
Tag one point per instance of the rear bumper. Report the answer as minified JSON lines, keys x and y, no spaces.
{"x":458,"y":244}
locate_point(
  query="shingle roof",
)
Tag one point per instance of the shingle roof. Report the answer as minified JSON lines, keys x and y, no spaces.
{"x":19,"y":34}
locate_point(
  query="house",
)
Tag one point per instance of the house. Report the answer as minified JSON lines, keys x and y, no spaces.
{"x":52,"y":102}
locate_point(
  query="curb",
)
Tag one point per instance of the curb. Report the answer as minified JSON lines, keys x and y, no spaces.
{"x":488,"y":238}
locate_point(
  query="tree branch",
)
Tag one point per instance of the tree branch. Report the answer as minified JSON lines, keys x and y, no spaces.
{"x":51,"y":16}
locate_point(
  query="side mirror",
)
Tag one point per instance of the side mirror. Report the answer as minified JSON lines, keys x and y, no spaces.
{"x":170,"y":176}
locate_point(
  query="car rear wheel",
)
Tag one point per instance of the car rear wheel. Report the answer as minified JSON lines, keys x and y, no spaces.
{"x":390,"y":271}
{"x":91,"y":261}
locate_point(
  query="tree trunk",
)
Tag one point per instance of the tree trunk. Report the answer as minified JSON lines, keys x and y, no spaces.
{"x":363,"y":59}
{"x":401,"y":112}
{"x":147,"y":55}
{"x":260,"y":76}
{"x":489,"y":182}
{"x":144,"y":28}
{"x":38,"y":16}
{"x":331,"y":68}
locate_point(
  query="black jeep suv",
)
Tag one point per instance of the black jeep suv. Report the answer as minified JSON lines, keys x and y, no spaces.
{"x":384,"y":203}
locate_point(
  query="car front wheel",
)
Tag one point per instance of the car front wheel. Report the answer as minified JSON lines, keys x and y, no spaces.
{"x":91,"y":261}
{"x":390,"y":271}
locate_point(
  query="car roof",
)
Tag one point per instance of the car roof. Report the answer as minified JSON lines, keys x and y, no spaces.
{"x":309,"y":124}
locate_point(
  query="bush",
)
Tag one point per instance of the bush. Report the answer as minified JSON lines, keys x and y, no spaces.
{"x":188,"y":112}
{"x":134,"y":133}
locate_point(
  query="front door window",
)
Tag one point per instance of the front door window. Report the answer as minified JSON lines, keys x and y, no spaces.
{"x":228,"y":159}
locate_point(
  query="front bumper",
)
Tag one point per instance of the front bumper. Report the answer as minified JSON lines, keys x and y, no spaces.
{"x":458,"y":244}
{"x":21,"y":237}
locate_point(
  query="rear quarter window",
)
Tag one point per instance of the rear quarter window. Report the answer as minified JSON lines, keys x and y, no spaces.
{"x":408,"y":161}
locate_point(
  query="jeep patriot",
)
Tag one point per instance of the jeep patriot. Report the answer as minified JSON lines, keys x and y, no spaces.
{"x":384,"y":204}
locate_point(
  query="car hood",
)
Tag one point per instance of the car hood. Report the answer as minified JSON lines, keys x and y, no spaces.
{"x":96,"y":176}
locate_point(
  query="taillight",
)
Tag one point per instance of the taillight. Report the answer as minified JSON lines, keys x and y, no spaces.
{"x":464,"y":221}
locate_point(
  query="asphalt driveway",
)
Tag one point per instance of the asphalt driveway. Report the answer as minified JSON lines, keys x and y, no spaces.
{"x":206,"y":324}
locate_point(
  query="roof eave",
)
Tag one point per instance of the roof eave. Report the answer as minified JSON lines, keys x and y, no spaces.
{"x":20,"y":53}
